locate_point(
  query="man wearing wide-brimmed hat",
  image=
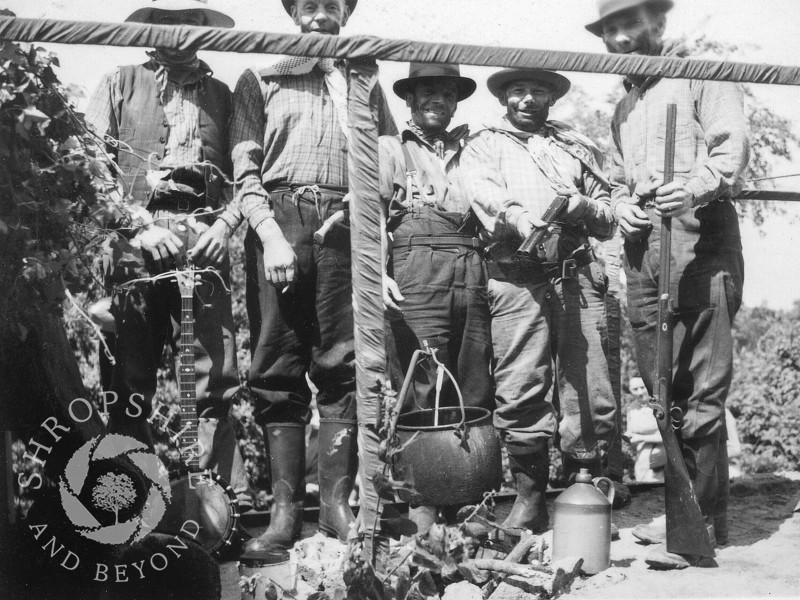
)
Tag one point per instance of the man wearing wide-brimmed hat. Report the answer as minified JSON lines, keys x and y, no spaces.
{"x":547,"y":314}
{"x":169,"y":116}
{"x":711,"y":156}
{"x":289,"y":145}
{"x":436,"y":294}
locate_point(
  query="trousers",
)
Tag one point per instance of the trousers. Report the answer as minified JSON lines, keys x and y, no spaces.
{"x":546,"y":333}
{"x":307,"y":328}
{"x":445,"y":305}
{"x":706,"y":281}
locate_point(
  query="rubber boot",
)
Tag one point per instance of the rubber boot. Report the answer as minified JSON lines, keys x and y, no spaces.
{"x":338,"y":462}
{"x":423,"y":517}
{"x":287,"y":457}
{"x":531,"y":473}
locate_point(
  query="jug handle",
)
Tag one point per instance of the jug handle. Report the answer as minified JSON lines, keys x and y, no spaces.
{"x":598,"y":481}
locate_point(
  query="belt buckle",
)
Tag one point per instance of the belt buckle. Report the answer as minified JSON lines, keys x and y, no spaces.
{"x":183,"y":204}
{"x":569,"y":268}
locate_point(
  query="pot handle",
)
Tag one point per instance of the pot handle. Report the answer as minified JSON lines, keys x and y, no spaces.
{"x":461,"y":426}
{"x":401,"y":397}
{"x":598,"y":481}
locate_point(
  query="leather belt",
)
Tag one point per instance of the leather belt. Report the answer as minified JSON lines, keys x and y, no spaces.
{"x":438,"y":240}
{"x":523,"y":271}
{"x":179,"y":202}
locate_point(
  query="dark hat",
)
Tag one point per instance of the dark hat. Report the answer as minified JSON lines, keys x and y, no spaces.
{"x":287,"y":4}
{"x":606,"y":8}
{"x":418,"y":71}
{"x":498,"y":81}
{"x":214,"y":18}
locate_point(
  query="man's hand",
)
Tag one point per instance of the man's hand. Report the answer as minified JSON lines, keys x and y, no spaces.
{"x":280,"y":261}
{"x":633,"y":221}
{"x":673,"y":199}
{"x":576,"y":207}
{"x":527,"y":224}
{"x":163,"y":245}
{"x":391,"y":295}
{"x":212,"y":247}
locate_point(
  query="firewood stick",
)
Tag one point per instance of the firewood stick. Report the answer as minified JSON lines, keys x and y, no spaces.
{"x":507,"y":568}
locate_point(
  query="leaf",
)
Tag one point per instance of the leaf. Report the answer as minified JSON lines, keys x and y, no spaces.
{"x":383,"y":487}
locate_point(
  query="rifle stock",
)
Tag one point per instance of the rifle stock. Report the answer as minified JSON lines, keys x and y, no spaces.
{"x":686,"y":529}
{"x":530,"y":246}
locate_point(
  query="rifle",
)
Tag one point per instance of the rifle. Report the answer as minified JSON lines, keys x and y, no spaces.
{"x":533,"y":246}
{"x":686,"y":529}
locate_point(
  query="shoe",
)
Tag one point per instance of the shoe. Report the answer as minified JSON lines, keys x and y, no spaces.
{"x":660,"y":559}
{"x":423,"y":517}
{"x":531,"y":473}
{"x":338,"y":463}
{"x":652,"y":533}
{"x":656,"y":532}
{"x":286,"y":443}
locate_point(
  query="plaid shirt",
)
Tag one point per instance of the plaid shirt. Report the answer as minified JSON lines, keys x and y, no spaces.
{"x":181,"y":112}
{"x":711,"y":142}
{"x":503,"y":183}
{"x":285,"y":129}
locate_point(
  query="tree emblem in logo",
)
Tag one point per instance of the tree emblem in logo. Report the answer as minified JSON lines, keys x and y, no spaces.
{"x":92,"y":486}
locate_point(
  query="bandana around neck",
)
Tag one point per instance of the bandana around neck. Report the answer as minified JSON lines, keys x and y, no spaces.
{"x":185,"y":73}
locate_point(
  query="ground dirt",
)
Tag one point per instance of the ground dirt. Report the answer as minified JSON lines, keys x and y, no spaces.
{"x":761,"y":559}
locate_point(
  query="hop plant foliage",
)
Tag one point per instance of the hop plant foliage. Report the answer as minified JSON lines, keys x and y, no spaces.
{"x":57,"y":195}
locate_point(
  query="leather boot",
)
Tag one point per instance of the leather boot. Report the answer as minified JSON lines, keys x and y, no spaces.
{"x":338,"y":462}
{"x":531,"y":473}
{"x":287,"y":458}
{"x":423,"y":517}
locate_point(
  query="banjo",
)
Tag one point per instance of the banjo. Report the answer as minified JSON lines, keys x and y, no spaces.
{"x":203,"y":505}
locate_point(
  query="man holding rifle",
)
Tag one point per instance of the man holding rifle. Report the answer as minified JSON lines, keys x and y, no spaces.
{"x":547,"y":312}
{"x":710,"y":157}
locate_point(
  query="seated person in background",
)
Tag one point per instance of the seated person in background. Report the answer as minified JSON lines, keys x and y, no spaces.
{"x":643,"y":433}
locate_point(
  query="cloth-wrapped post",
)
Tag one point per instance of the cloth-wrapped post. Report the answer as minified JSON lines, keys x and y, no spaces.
{"x":365,"y":232}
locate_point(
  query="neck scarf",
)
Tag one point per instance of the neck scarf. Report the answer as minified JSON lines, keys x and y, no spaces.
{"x":441,"y":140}
{"x":186,"y":73}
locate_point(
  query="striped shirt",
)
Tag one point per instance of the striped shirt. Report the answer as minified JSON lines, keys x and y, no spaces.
{"x":503,"y":183}
{"x":711,"y":142}
{"x":286,"y":129}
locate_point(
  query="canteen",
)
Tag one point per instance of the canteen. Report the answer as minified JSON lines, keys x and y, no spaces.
{"x":582,"y":523}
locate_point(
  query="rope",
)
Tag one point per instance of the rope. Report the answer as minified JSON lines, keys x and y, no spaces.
{"x":361,"y":46}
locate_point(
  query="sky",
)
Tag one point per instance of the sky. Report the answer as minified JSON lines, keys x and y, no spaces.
{"x":765,"y":32}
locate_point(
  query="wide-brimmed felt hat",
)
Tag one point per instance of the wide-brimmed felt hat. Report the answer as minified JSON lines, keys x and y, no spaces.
{"x":287,"y":4}
{"x":498,"y":81}
{"x":606,"y":8}
{"x":418,"y":71}
{"x":214,"y":18}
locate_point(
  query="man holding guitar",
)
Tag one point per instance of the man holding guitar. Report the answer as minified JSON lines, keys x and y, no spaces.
{"x":166,"y":122}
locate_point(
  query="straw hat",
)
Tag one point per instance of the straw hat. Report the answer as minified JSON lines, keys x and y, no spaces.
{"x":214,"y":18}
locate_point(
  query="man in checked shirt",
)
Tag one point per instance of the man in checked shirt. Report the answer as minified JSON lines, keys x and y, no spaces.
{"x":288,"y":139}
{"x":546,"y":316}
{"x":170,"y":116}
{"x":711,"y":155}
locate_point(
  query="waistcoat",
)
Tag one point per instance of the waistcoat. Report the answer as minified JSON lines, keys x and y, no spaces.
{"x":143,"y":126}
